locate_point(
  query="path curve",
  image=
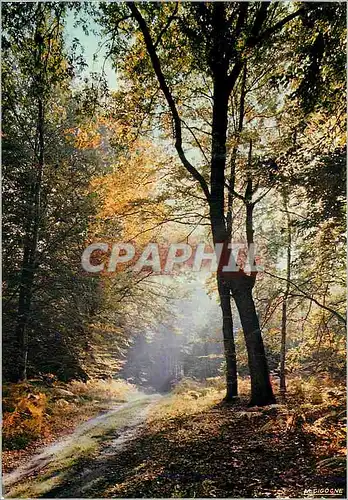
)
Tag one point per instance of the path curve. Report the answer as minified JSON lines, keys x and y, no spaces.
{"x":112,"y":431}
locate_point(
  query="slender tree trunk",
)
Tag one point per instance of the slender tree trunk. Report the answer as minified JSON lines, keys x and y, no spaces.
{"x":23,"y":312}
{"x":225,"y":301}
{"x":261,"y":388}
{"x":205,"y":360}
{"x":229,"y":346}
{"x":223,"y":289}
{"x":232,"y":177}
{"x":220,"y":234}
{"x":282,"y":381}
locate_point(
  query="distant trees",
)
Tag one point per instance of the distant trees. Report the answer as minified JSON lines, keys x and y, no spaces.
{"x":162,"y":357}
{"x":58,"y":156}
{"x":45,"y":200}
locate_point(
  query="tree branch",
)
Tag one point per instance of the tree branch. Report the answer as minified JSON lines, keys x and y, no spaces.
{"x":323,"y":306}
{"x":190,"y":129}
{"x":237,"y":195}
{"x":270,"y":31}
{"x":264,"y":194}
{"x":232,"y":77}
{"x":169,"y":98}
{"x":171,"y":18}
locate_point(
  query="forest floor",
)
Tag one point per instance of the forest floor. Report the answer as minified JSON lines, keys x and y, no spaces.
{"x":189,"y":444}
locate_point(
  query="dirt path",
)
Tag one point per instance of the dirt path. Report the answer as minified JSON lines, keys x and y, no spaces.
{"x":61,"y":470}
{"x":217,"y":451}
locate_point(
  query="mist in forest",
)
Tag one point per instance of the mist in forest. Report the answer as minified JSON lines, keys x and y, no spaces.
{"x":188,"y":343}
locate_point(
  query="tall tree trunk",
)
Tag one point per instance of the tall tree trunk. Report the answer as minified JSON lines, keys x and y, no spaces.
{"x":220,"y":234}
{"x":23,"y":312}
{"x":223,"y":289}
{"x":282,"y":381}
{"x":240,"y":284}
{"x":229,"y":346}
{"x":261,"y":388}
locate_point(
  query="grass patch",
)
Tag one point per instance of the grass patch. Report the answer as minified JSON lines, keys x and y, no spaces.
{"x":102,"y":390}
{"x":188,"y":398}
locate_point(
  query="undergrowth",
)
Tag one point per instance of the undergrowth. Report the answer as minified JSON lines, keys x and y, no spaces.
{"x":315,"y":406}
{"x":215,"y":449}
{"x":33,"y":410}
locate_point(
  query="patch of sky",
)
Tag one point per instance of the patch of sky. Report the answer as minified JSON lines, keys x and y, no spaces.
{"x":92,"y":46}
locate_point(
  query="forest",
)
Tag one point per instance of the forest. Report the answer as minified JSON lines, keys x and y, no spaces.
{"x":173,"y":249}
